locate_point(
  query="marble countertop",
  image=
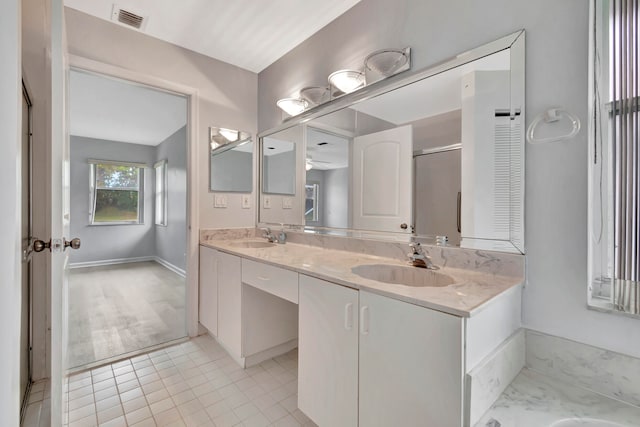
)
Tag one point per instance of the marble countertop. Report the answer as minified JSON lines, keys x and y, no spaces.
{"x":471,"y":292}
{"x":536,"y":400}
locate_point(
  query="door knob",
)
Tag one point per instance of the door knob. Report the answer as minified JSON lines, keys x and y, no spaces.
{"x":404,"y":225}
{"x":41,"y":245}
{"x":73,"y":243}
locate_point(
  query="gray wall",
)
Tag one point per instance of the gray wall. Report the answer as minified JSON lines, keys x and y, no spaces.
{"x":171,"y":240}
{"x":226,"y":95}
{"x":279,"y":173}
{"x":105,"y":242}
{"x":232,"y":171}
{"x":555,"y":298}
{"x":108,"y":242}
{"x":336,"y":198}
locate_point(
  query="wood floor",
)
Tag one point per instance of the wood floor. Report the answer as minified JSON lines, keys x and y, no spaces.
{"x":114,"y":310}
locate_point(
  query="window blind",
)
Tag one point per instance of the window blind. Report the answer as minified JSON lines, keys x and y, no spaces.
{"x":625,"y":131}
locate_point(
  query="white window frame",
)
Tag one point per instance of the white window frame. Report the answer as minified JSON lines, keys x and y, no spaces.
{"x":161,"y":192}
{"x":93,"y":191}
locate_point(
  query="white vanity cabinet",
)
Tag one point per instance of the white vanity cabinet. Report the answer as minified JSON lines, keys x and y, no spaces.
{"x":208,"y":290}
{"x":411,"y":365}
{"x":367,"y":360}
{"x":328,"y":353}
{"x":230,"y":304}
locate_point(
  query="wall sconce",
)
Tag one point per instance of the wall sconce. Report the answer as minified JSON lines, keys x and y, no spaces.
{"x":347,"y":81}
{"x":292,"y":106}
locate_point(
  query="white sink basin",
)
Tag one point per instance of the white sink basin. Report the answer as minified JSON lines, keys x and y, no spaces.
{"x":584,"y":422}
{"x":399,"y":275}
{"x":256,"y":244}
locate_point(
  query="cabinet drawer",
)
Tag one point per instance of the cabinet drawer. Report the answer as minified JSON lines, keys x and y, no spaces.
{"x":274,"y":280}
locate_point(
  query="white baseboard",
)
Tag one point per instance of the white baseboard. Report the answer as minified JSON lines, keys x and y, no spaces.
{"x":111,"y":262}
{"x":116,"y":261}
{"x":179,"y":271}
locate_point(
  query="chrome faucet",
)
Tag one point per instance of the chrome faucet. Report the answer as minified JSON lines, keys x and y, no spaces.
{"x":267,"y":234}
{"x":282,"y":236}
{"x":418,"y":258}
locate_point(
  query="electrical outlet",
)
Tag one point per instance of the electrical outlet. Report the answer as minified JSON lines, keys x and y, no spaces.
{"x":246,"y":201}
{"x":266,"y":202}
{"x":287,"y":203}
{"x":220,"y":201}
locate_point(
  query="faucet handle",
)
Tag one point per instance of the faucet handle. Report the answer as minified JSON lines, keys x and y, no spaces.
{"x":417,"y":248}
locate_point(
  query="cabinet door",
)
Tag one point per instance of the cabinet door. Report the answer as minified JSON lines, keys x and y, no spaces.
{"x":328,"y":353}
{"x":411,"y":368}
{"x":230,"y":303}
{"x":208,"y":294}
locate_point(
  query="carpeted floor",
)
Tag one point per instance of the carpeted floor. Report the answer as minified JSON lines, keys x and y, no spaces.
{"x":117,"y":309}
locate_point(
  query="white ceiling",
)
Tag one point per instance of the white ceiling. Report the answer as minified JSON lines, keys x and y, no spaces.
{"x":251,"y":34}
{"x":436,"y":95}
{"x":115,"y":110}
{"x":332,"y":155}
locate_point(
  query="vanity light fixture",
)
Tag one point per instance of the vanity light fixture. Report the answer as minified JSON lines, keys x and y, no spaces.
{"x":347,"y":81}
{"x":292,"y":106}
{"x":230,"y":134}
{"x":315,"y":95}
{"x":308,"y":164}
{"x":228,"y":138}
{"x":387,"y":62}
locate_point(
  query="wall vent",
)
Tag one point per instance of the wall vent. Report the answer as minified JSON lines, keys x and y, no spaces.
{"x":128,"y":18}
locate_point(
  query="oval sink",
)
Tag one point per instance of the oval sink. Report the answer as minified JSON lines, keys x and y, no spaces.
{"x":252,"y":244}
{"x":399,"y":275}
{"x":585,"y":422}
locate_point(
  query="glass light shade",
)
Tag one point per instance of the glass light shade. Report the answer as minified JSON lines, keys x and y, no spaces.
{"x":308,"y":165}
{"x":315,"y":95}
{"x":230,"y":134}
{"x":347,"y":81}
{"x":386,"y":62}
{"x":292,"y":106}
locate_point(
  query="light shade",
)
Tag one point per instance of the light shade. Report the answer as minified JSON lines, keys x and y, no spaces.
{"x":230,"y":134}
{"x":308,"y":165}
{"x":387,"y":62}
{"x":292,"y":106}
{"x":347,"y":81}
{"x":315,"y":95}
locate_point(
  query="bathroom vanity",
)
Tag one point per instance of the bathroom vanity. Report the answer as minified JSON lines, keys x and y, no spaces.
{"x":370,"y":352}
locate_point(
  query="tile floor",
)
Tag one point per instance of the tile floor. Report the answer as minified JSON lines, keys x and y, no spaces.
{"x":195,"y":383}
{"x":37,"y":413}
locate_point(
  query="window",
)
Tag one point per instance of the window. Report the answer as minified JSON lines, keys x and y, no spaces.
{"x":614,"y":161}
{"x":116,"y":192}
{"x":311,"y":202}
{"x":161,"y":192}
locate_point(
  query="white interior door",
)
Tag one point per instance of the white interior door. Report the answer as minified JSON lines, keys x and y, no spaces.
{"x":382,"y":180}
{"x":59,"y":211}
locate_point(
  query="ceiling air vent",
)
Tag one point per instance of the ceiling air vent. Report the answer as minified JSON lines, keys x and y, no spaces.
{"x":127,"y":17}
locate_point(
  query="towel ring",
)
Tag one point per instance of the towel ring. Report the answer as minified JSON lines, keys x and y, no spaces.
{"x":550,"y":116}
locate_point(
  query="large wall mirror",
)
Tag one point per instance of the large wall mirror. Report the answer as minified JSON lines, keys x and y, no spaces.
{"x":437,"y":153}
{"x":230,"y":161}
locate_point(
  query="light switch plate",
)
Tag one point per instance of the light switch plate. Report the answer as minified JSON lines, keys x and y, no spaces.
{"x":246,"y":201}
{"x":266,"y":202}
{"x":220,"y":201}
{"x":287,"y":203}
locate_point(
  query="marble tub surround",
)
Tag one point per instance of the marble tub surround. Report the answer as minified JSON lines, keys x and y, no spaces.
{"x":603,"y":371}
{"x":537,"y":400}
{"x":486,"y":382}
{"x":471,"y":290}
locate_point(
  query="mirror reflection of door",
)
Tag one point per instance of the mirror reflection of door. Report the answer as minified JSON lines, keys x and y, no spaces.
{"x":437,"y":203}
{"x":383,"y":180}
{"x":25,"y":323}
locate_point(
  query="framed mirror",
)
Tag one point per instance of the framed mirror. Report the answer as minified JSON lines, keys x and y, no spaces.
{"x":437,"y":155}
{"x":231,"y":161}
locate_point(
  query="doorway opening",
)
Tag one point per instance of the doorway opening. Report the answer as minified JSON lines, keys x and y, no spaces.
{"x":128,"y":205}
